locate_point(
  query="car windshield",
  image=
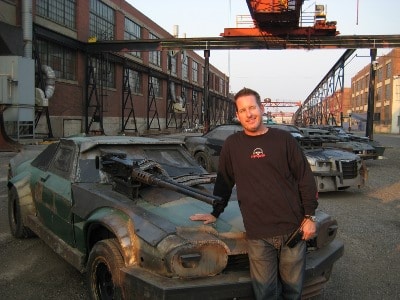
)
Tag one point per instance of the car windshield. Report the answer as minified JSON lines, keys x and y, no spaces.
{"x":169,"y":157}
{"x":172,"y":158}
{"x":222,"y":132}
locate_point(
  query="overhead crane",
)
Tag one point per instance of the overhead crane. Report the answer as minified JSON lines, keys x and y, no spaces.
{"x":283,"y":18}
{"x":267,"y":102}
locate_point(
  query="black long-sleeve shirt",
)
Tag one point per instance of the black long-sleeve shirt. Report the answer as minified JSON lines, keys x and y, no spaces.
{"x":274,"y":182}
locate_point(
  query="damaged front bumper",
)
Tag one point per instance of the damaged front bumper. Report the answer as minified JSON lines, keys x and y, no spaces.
{"x":143,"y":284}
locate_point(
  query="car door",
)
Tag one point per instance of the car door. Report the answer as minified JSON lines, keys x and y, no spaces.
{"x":53,"y":193}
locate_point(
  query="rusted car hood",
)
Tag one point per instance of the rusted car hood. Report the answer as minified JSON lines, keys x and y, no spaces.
{"x":155,"y":219}
{"x":329,"y":153}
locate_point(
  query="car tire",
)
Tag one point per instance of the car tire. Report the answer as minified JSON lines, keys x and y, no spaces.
{"x":15,"y":218}
{"x":203,"y":160}
{"x":103,"y":270}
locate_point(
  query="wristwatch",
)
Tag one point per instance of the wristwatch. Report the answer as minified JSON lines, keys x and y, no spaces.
{"x":312,"y":218}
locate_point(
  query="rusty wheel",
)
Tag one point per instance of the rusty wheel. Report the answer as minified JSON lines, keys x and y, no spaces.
{"x":103,"y":270}
{"x":203,"y":160}
{"x":15,"y":218}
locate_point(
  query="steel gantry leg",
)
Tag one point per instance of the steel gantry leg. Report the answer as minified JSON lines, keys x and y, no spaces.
{"x":94,"y":101}
{"x":371,"y":97}
{"x":152,"y":110}
{"x":128,"y":111}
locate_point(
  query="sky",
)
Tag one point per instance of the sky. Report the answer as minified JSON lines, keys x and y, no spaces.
{"x":281,"y":75}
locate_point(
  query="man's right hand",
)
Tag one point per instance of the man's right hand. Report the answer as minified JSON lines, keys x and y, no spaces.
{"x":207,"y":218}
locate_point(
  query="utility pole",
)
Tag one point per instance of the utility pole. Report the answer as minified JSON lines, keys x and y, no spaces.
{"x":371,"y":96}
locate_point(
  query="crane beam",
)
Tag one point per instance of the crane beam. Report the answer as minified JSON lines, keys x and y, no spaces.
{"x":246,"y":43}
{"x":269,"y":103}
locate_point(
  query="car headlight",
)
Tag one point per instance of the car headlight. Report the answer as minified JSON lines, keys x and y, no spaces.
{"x":312,"y":161}
{"x":324,"y":165}
{"x":202,"y":259}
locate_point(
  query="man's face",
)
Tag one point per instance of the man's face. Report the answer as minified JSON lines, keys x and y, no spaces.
{"x":249,"y":114}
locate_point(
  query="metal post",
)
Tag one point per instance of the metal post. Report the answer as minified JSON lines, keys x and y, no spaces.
{"x":206,"y":91}
{"x":371,"y":97}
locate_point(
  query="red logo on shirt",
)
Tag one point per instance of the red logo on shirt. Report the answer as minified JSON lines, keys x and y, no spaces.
{"x":257,"y":153}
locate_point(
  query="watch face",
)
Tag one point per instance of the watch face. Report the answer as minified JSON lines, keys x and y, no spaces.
{"x":312,"y":218}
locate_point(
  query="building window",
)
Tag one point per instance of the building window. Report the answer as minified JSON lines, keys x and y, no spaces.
{"x":172,"y":62}
{"x":61,"y":59}
{"x":364,"y":98}
{"x":135,"y":81}
{"x":379,"y":94}
{"x":154,"y":56}
{"x":217,"y":83}
{"x":133,"y":31}
{"x":194,"y":98}
{"x":185,"y":65}
{"x":379,"y":75}
{"x":195,"y":71}
{"x":388,"y":91}
{"x":221,"y":85}
{"x":156,"y":84}
{"x":104,"y":72}
{"x":358,"y":100}
{"x":388,"y":70}
{"x":59,"y":11}
{"x":387,"y":118}
{"x":101,"y":21}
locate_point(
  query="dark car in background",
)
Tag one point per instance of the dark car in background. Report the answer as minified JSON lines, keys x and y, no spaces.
{"x":334,"y":169}
{"x":117,"y":208}
{"x":206,"y":148}
{"x":338,"y":138}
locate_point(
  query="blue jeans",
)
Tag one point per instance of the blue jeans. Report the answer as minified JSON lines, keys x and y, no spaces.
{"x":277,"y":271}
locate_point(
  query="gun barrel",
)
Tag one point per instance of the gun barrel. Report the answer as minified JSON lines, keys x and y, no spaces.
{"x":150,"y":179}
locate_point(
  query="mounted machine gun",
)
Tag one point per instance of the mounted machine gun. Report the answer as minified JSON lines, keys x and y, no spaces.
{"x":129,"y":175}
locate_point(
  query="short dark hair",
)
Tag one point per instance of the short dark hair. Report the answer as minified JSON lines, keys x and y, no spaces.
{"x":248,"y":92}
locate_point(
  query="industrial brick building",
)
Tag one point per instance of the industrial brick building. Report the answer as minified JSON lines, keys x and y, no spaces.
{"x":348,"y":107}
{"x":128,"y":92}
{"x":386,"y":94}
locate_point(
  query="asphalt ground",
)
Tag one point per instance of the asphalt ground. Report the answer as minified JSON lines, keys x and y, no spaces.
{"x":369,"y":226}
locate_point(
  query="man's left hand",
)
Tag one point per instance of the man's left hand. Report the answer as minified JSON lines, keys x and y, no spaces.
{"x":309,"y":229}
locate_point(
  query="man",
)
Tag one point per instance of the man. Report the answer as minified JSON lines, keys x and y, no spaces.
{"x":276,"y":193}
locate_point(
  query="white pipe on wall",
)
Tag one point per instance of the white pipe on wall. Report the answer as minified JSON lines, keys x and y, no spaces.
{"x":27,"y":27}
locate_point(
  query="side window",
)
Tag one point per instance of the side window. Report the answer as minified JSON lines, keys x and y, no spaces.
{"x":227,"y":132}
{"x":43,"y":160}
{"x":62,"y":163}
{"x":222,"y":133}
